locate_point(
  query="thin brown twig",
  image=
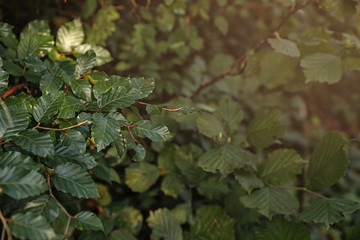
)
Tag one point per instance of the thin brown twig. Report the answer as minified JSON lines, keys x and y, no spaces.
{"x":60,"y":129}
{"x":128,"y":128}
{"x":164,"y":108}
{"x":300,"y":189}
{"x":61,"y":206}
{"x":3,"y":220}
{"x":3,"y":142}
{"x":242,"y":60}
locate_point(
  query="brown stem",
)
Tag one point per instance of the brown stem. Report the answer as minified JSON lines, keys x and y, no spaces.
{"x":242,"y":60}
{"x":3,"y":220}
{"x":300,"y":189}
{"x":60,"y":129}
{"x":165,"y":109}
{"x":13,"y":90}
{"x":128,"y":128}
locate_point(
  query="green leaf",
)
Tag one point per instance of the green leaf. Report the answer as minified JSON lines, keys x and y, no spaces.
{"x":85,"y":62}
{"x":280,"y":228}
{"x":50,"y":83}
{"x":13,"y":119}
{"x":284,"y":46}
{"x":156,"y":133}
{"x":213,"y":188}
{"x":73,"y":179}
{"x":221,"y":24}
{"x":122,"y":233}
{"x":45,"y":206}
{"x":33,"y":141}
{"x":33,"y":42}
{"x":140,"y":176}
{"x":35,"y":63}
{"x":89,"y":7}
{"x":73,"y":139}
{"x":104,"y":131}
{"x":102,"y":55}
{"x":212,"y":223}
{"x":88,"y":221}
{"x":328,"y":161}
{"x":69,"y":36}
{"x":340,"y":9}
{"x":248,"y":180}
{"x":185,"y":110}
{"x":102,"y":172}
{"x":145,"y":86}
{"x":164,"y":225}
{"x":140,"y":152}
{"x":69,"y":107}
{"x":154,"y":110}
{"x":118,"y":97}
{"x":47,"y":106}
{"x":19,"y":183}
{"x":31,"y":226}
{"x":281,"y":166}
{"x":225,"y":159}
{"x":81,"y":88}
{"x":209,"y":125}
{"x":64,"y":154}
{"x":4,"y":76}
{"x":16,"y":159}
{"x":323,"y":68}
{"x":264,"y":128}
{"x":172,"y":185}
{"x":268,"y":200}
{"x":328,"y":211}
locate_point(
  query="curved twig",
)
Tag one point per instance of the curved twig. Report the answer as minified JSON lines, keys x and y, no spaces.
{"x":60,"y":129}
{"x":301,"y":189}
{"x":242,"y":60}
{"x":7,"y":229}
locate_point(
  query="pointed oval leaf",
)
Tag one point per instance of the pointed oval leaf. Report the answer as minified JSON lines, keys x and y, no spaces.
{"x":328,"y":211}
{"x":73,"y":179}
{"x":73,"y":139}
{"x":122,"y":233}
{"x":156,"y":133}
{"x":33,"y":141}
{"x":212,"y":222}
{"x":280,"y":228}
{"x":164,"y":225}
{"x":140,"y":177}
{"x":213,"y":188}
{"x":50,"y":83}
{"x":45,"y":206}
{"x":85,"y":62}
{"x":248,"y":180}
{"x":172,"y":185}
{"x":145,"y":86}
{"x":88,"y":221}
{"x":225,"y":159}
{"x":328,"y":161}
{"x":16,"y":159}
{"x":13,"y":120}
{"x":323,"y":68}
{"x":69,"y":36}
{"x":31,"y":226}
{"x":33,"y":44}
{"x":69,"y":107}
{"x":268,"y":200}
{"x":47,"y":106}
{"x":19,"y":183}
{"x":281,"y":166}
{"x":284,"y":46}
{"x":81,"y":88}
{"x":117,"y":97}
{"x":104,"y":131}
{"x":103,"y":56}
{"x":265,"y":128}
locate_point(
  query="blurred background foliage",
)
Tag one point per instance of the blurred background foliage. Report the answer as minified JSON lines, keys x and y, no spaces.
{"x":183,"y":43}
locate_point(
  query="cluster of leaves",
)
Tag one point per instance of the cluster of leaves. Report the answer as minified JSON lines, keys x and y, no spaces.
{"x":232,"y":171}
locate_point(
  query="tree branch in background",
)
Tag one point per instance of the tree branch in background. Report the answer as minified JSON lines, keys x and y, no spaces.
{"x":242,"y":60}
{"x":5,"y":226}
{"x":300,"y":189}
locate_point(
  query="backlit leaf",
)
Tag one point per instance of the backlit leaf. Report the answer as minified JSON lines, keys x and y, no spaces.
{"x":140,"y":176}
{"x":172,"y":185}
{"x":285,"y":46}
{"x":69,"y":36}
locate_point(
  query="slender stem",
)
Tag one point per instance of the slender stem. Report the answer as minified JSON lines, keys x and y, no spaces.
{"x":165,"y":109}
{"x":3,"y":233}
{"x":3,"y":220}
{"x":300,"y":189}
{"x":1,"y":143}
{"x":242,"y":60}
{"x":61,"y":206}
{"x":60,"y":129}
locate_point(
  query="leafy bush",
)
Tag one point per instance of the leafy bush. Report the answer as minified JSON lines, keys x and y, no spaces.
{"x":84,"y":157}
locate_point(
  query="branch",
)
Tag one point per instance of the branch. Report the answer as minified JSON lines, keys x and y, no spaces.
{"x":128,"y":128}
{"x":3,"y":220}
{"x":242,"y":60}
{"x":300,"y":189}
{"x":164,"y":108}
{"x":61,"y":206}
{"x":12,"y":90}
{"x":60,"y":129}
